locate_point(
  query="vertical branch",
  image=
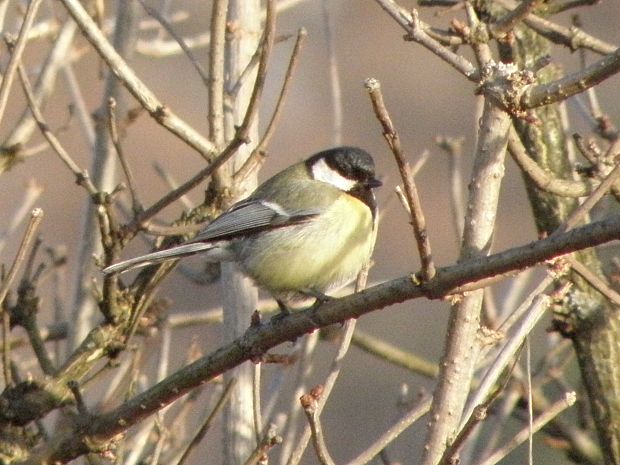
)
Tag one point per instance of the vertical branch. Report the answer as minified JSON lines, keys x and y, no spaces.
{"x":334,"y":74}
{"x":459,"y":357}
{"x":102,"y":172}
{"x":240,"y":295}
{"x":216,"y":72}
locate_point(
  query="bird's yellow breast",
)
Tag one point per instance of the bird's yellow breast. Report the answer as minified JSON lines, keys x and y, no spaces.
{"x":322,"y":254}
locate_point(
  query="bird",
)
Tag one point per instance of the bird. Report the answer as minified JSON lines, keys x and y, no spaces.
{"x":303,"y":233}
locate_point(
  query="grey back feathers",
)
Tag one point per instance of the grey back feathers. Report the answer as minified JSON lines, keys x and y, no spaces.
{"x":249,"y":217}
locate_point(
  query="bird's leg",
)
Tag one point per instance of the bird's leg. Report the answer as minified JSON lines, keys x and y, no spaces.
{"x":319,"y":296}
{"x":284,"y":309}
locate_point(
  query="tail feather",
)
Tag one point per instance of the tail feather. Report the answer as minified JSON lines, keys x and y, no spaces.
{"x":160,"y":256}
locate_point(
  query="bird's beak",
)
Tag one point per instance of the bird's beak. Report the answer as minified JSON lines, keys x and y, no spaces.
{"x":373,"y":182}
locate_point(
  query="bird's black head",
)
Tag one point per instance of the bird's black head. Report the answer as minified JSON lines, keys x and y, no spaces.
{"x":350,"y":163}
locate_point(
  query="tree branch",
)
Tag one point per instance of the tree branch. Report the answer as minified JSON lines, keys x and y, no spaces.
{"x":259,"y":339}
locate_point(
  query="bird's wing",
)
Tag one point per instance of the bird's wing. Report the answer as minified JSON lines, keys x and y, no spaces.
{"x":251,"y":216}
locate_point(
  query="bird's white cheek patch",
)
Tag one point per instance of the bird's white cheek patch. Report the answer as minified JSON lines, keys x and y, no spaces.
{"x":322,"y":172}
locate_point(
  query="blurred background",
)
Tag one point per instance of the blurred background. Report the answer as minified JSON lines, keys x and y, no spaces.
{"x":426,"y":99}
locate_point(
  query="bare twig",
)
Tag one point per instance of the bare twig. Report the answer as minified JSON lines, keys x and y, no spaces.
{"x":136,"y":206}
{"x":172,"y":184}
{"x":81,"y":176}
{"x":480,"y":45}
{"x":310,"y":405}
{"x":542,"y":178}
{"x":595,"y":281}
{"x":410,"y":22}
{"x":453,"y":146}
{"x":216,"y":72}
{"x":256,"y":401}
{"x":160,"y":112}
{"x":374,"y":449}
{"x":35,"y":219}
{"x":239,"y":139}
{"x":522,"y":436}
{"x":253,"y":160}
{"x":269,"y":440}
{"x":596,"y":195}
{"x":507,"y":352}
{"x":23,"y":129}
{"x":413,"y":199}
{"x":208,"y":422}
{"x":24,"y":207}
{"x":330,"y":381}
{"x":188,"y":52}
{"x":334,"y":75}
{"x":301,"y":376}
{"x":508,"y":22}
{"x":571,"y":37}
{"x":393,"y":354}
{"x":561,"y":89}
{"x":16,"y":55}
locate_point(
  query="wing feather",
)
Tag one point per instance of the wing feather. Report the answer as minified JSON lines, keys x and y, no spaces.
{"x":249,"y":217}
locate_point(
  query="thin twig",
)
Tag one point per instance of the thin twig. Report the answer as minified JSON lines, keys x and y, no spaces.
{"x":507,"y":352}
{"x":16,"y":55}
{"x":596,"y":195}
{"x":334,"y":74}
{"x":374,"y":449}
{"x":208,"y":421}
{"x":172,"y":184}
{"x":81,"y":176}
{"x":254,"y":160}
{"x":543,"y":179}
{"x":478,"y":414}
{"x":330,"y":380}
{"x":575,"y":83}
{"x":393,"y":354}
{"x":240,"y":138}
{"x":188,"y":52}
{"x":136,"y":205}
{"x":413,"y":199}
{"x":24,"y":207}
{"x":256,"y":402}
{"x":453,"y":146}
{"x":310,"y":405}
{"x":301,"y":377}
{"x":595,"y":281}
{"x":530,"y":402}
{"x":44,"y":86}
{"x":511,"y":19}
{"x":480,"y":46}
{"x":522,"y":436}
{"x":35,"y":219}
{"x":571,"y":37}
{"x":410,"y":22}
{"x":268,"y":441}
{"x":159,"y":111}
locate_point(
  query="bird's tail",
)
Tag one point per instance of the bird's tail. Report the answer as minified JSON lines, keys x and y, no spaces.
{"x":153,"y":258}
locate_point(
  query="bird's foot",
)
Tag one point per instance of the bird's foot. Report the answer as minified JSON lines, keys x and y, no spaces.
{"x":319,"y":296}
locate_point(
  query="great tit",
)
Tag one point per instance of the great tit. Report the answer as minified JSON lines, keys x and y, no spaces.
{"x":304,"y":232}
